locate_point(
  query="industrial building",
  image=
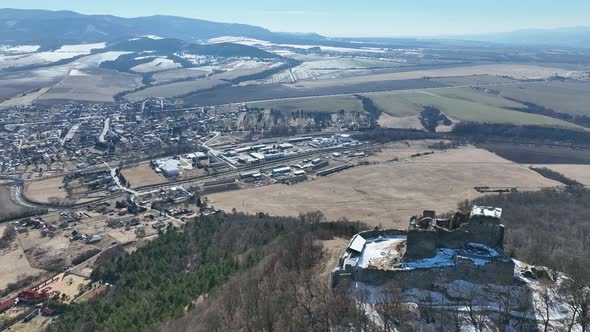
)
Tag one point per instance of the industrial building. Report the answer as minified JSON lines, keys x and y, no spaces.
{"x":168,"y":167}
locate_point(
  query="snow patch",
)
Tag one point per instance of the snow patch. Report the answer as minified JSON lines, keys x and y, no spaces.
{"x":157,"y":64}
{"x":18,"y":49}
{"x":81,"y":48}
{"x":443,"y":257}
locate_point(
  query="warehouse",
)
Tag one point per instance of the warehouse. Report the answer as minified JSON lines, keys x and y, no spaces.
{"x":169,"y":167}
{"x":281,"y":171}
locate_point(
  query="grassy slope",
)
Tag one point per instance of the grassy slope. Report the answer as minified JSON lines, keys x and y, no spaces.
{"x":461,"y":103}
{"x":565,"y":97}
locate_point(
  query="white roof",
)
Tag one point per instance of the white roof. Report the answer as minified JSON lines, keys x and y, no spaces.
{"x":486,"y":211}
{"x":357,"y":243}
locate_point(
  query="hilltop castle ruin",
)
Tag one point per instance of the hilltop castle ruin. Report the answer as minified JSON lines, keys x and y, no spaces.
{"x":432,"y":250}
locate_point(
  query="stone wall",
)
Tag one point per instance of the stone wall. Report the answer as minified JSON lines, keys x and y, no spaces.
{"x":498,"y":272}
{"x":422,"y":243}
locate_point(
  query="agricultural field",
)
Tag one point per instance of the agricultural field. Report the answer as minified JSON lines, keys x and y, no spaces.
{"x":179,"y":74}
{"x":460,"y":104}
{"x":316,"y":104}
{"x":97,"y":85}
{"x":535,"y":154}
{"x":388,"y":192}
{"x":46,"y":190}
{"x":509,"y":70}
{"x":409,"y":122}
{"x":175,"y":89}
{"x":571,"y":97}
{"x":329,"y":68}
{"x":158,"y":64}
{"x":48,"y":57}
{"x":14,"y":263}
{"x":142,"y":175}
{"x":263,"y":92}
{"x":472,"y":80}
{"x":16,"y":84}
{"x":580,"y":173}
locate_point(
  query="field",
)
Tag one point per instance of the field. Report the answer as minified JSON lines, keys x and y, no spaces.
{"x":580,"y":173}
{"x":96,"y":85}
{"x":320,"y":104}
{"x":174,"y":89}
{"x":389,"y":192}
{"x":142,"y":175}
{"x":14,"y":264}
{"x":179,"y":74}
{"x":262,"y":92}
{"x":47,"y":190}
{"x":472,"y":80}
{"x":410,"y":122}
{"x":510,"y":70}
{"x":565,"y":97}
{"x":533,"y":154}
{"x":18,"y":83}
{"x":330,"y":68}
{"x":158,"y":64}
{"x":462,"y":104}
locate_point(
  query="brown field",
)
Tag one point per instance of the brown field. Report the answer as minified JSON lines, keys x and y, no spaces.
{"x":580,"y":173}
{"x":175,"y":89}
{"x":411,"y":122}
{"x":14,"y":264}
{"x":48,"y":190}
{"x":388,"y":193}
{"x":512,"y":70}
{"x":142,"y":175}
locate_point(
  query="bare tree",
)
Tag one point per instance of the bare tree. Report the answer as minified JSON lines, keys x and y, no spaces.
{"x":389,"y":307}
{"x":475,"y":312}
{"x":577,"y":295}
{"x":547,"y":301}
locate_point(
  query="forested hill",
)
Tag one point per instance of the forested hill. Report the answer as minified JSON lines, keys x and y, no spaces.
{"x":257,"y":254}
{"x":548,"y":228}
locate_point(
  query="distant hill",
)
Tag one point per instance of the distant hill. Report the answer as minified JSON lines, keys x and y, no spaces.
{"x":578,"y":37}
{"x":53,"y":27}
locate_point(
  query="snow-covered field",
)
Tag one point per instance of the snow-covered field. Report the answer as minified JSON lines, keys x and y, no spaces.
{"x":18,"y":49}
{"x":81,"y":48}
{"x":48,"y":57}
{"x":269,"y":45}
{"x":158,"y":64}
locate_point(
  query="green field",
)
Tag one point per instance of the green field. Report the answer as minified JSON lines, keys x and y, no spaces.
{"x":316,"y":104}
{"x":464,"y":104}
{"x":566,"y":97}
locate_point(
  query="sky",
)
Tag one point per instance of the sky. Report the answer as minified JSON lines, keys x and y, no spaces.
{"x":374,"y":18}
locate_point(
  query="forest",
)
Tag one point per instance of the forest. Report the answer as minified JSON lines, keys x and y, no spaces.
{"x":176,"y":273}
{"x":260,"y":273}
{"x":549,"y":227}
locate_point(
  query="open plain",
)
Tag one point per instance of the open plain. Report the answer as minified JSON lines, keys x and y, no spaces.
{"x":387,"y":192}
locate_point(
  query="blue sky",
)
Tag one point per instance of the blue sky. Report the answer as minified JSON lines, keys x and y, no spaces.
{"x":349,"y":18}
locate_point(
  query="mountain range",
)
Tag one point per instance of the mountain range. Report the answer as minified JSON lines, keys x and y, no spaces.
{"x":49,"y":28}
